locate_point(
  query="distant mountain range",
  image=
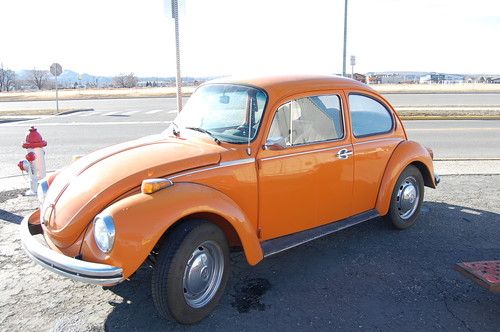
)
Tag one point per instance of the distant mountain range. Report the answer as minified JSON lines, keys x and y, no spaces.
{"x":70,"y":77}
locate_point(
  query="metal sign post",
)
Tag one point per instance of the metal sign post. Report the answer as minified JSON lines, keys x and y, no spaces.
{"x":56,"y":70}
{"x":353,"y":63}
{"x":178,"y":78}
{"x":344,"y":60}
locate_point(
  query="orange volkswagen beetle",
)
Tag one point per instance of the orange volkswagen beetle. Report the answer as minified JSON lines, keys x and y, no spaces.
{"x":264,"y":164}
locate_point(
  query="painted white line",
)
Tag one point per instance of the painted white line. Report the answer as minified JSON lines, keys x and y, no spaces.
{"x":172,"y":111}
{"x":110,"y":113}
{"x":105,"y":123}
{"x":85,"y":114}
{"x":453,"y":129}
{"x":130,"y":112}
{"x":154,"y":111}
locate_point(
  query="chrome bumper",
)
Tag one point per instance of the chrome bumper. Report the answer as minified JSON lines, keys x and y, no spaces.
{"x":92,"y":273}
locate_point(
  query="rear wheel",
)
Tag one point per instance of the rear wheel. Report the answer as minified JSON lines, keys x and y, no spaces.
{"x":406,"y":199}
{"x":191,"y":272}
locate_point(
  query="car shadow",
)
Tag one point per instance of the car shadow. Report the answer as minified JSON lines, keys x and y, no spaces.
{"x":371,"y":276}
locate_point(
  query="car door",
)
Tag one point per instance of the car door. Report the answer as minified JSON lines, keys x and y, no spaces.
{"x":375,"y":137}
{"x":306,"y":168}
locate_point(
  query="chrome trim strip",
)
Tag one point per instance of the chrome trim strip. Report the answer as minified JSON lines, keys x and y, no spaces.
{"x":92,"y":273}
{"x":306,"y":152}
{"x":237,"y":162}
{"x":380,"y":139}
{"x":220,"y":165}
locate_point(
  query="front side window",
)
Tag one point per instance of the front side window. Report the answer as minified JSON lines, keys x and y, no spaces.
{"x":229,"y":112}
{"x":308,"y":120}
{"x":369,"y":117}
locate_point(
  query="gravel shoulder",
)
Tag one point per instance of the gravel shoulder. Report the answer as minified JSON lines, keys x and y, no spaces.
{"x":369,"y":277}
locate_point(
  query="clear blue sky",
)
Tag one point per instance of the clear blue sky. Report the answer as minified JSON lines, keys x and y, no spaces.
{"x":220,"y":37}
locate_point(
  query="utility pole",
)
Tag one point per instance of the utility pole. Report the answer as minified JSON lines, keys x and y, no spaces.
{"x":345,"y":41}
{"x":178,"y":78}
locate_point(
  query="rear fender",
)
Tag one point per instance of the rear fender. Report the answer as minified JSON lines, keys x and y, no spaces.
{"x":406,"y":153}
{"x":141,"y":220}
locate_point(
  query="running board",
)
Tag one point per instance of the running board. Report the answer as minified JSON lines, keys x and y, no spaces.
{"x":274,"y":246}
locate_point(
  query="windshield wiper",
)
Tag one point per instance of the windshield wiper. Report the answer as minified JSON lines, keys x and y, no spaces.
{"x":175,"y":129}
{"x":201,"y":130}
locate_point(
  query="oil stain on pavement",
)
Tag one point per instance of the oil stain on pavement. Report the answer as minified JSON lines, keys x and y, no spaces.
{"x":248,"y":293}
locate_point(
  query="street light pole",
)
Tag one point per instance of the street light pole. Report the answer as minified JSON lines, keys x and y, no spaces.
{"x":345,"y":41}
{"x":178,"y":79}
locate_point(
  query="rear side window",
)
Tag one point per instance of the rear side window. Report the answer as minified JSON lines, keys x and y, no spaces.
{"x":308,"y":120}
{"x":369,"y":117}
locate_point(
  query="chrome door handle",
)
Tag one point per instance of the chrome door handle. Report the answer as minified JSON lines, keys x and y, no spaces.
{"x":344,"y":154}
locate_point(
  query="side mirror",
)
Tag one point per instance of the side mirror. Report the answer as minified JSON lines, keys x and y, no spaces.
{"x":275,"y":143}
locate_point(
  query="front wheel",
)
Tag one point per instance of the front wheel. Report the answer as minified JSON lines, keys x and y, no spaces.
{"x":191,"y":272}
{"x":406,"y":198}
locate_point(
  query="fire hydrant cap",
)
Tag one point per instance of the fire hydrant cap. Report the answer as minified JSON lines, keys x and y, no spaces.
{"x":34,"y":140}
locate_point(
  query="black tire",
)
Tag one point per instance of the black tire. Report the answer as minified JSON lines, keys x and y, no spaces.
{"x":398,"y":215}
{"x":168,"y":280}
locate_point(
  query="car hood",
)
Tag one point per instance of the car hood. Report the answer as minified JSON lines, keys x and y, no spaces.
{"x":86,"y":187}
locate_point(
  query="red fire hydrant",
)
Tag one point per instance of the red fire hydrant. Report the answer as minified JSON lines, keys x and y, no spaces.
{"x":34,"y":164}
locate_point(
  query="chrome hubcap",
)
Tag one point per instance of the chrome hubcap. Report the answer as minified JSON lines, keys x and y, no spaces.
{"x":203,"y":274}
{"x":408,"y":197}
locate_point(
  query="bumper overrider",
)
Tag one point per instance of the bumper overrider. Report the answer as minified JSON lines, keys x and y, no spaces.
{"x":92,"y":273}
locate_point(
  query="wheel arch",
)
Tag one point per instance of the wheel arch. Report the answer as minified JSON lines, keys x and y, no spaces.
{"x":426,"y":174}
{"x":406,"y":153}
{"x":143,"y":220}
{"x":231,"y":234}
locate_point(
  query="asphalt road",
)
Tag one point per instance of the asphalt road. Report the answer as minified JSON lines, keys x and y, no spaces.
{"x":443,"y":99}
{"x":146,"y":104}
{"x":369,"y":277}
{"x":83,"y":132}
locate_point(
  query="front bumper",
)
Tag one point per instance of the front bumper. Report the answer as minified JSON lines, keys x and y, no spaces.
{"x":92,"y":273}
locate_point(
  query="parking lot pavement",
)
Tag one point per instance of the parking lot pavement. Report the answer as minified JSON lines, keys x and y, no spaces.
{"x":369,"y":277}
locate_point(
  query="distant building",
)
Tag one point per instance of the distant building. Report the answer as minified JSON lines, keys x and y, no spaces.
{"x":394,"y":78}
{"x":360,"y":77}
{"x":452,"y":79}
{"x":495,"y":80}
{"x":432,"y":78}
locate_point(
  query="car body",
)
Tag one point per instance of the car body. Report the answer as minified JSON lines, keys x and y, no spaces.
{"x":285,"y":160}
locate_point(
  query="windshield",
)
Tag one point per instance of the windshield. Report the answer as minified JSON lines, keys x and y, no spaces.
{"x":228,"y":112}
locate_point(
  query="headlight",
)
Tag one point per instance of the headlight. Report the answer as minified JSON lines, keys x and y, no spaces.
{"x":41,"y":190}
{"x":104,"y":232}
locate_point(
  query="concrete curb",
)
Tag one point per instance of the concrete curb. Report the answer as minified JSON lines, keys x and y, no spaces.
{"x":75,"y":111}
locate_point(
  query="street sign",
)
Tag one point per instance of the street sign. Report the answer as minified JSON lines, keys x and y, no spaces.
{"x":56,"y":69}
{"x":353,"y":60}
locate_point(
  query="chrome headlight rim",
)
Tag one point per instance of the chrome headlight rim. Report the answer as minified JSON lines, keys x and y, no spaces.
{"x":104,"y":232}
{"x":41,"y":190}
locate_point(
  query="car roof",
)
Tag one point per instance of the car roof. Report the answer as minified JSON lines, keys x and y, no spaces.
{"x":294,"y":83}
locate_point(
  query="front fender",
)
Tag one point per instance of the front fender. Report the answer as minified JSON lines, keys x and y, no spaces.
{"x":141,"y":220}
{"x":406,"y":153}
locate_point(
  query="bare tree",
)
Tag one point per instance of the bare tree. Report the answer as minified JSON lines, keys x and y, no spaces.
{"x":39,"y":78}
{"x":7,"y":79}
{"x":125,"y":80}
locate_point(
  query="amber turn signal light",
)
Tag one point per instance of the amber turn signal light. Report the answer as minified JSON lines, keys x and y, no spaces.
{"x":150,"y":186}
